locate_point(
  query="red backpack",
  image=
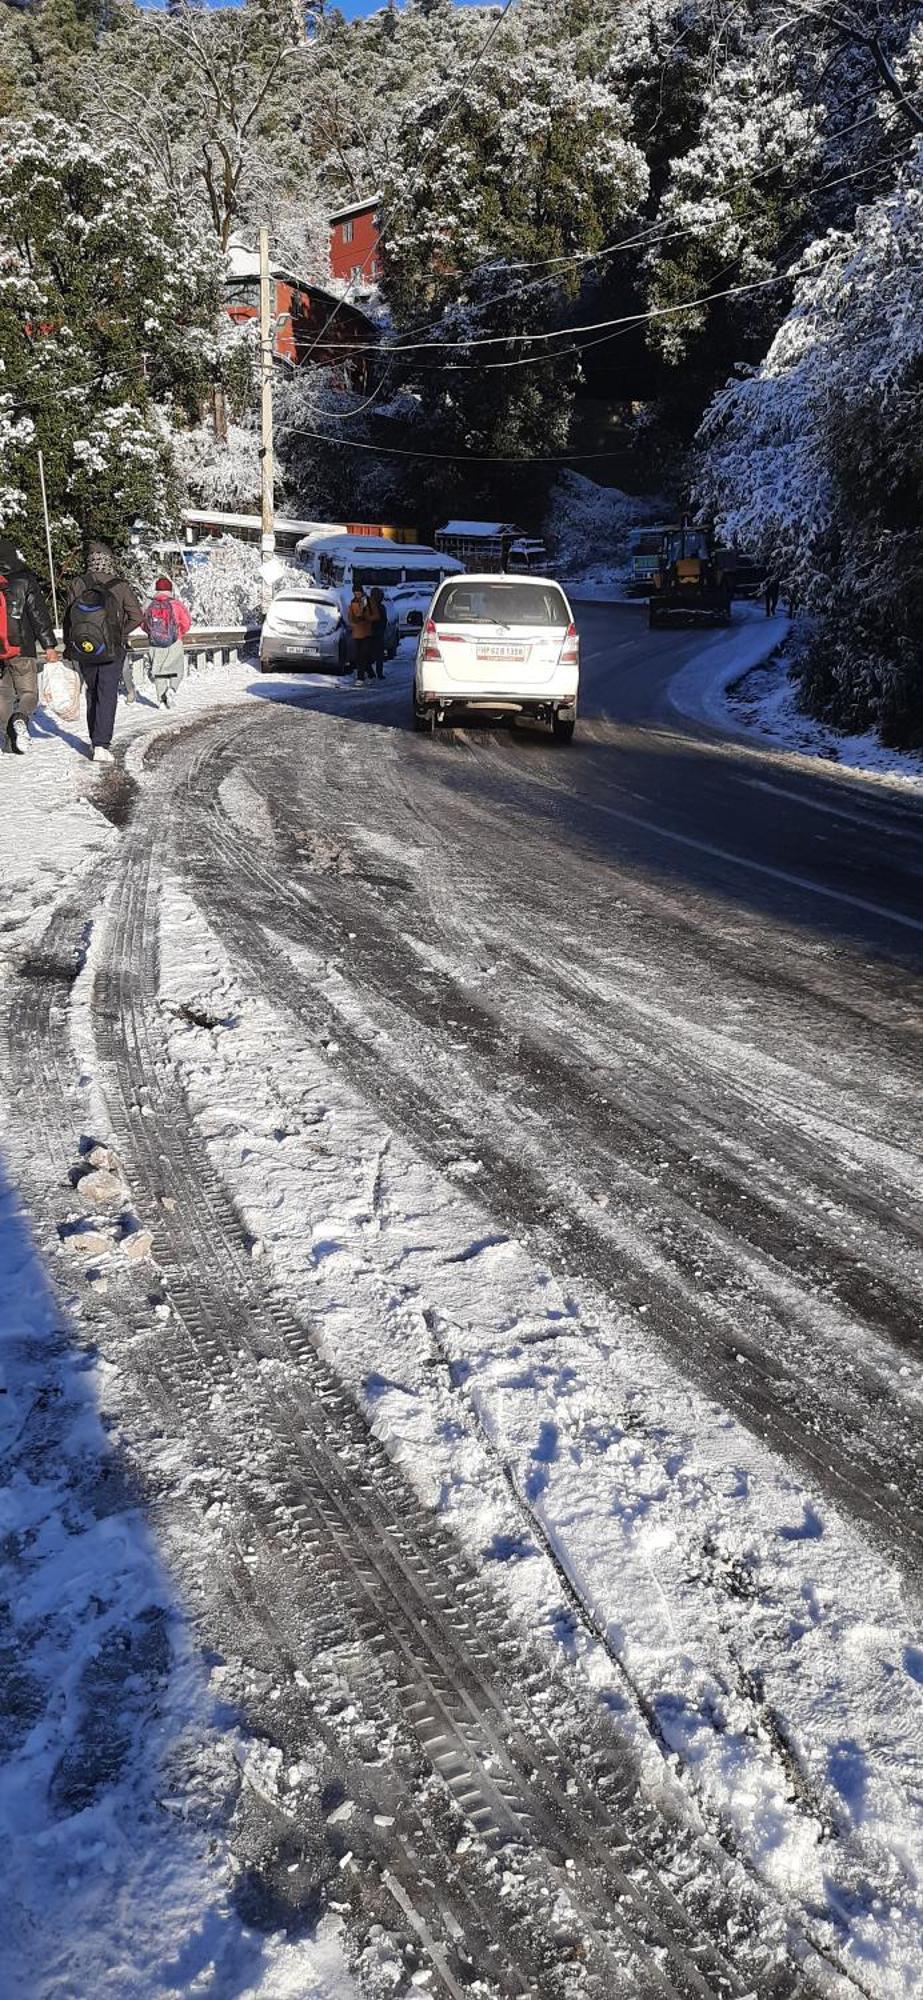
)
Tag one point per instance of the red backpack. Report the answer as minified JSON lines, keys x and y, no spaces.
{"x":160,"y":622}
{"x":7,"y":650}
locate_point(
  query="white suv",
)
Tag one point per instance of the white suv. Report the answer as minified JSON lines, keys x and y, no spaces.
{"x":501,"y":645}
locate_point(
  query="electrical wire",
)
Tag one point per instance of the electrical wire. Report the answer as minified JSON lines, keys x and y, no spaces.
{"x":613,"y":329}
{"x":557,"y":333}
{"x":456,"y":457}
{"x":649,"y":238}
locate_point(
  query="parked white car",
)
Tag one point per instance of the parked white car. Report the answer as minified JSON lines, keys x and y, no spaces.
{"x":305,"y":627}
{"x":498,"y":645}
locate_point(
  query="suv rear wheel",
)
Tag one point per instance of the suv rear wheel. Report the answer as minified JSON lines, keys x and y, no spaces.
{"x":562,"y":728}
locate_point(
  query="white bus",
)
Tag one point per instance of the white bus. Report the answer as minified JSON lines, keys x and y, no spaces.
{"x":406,"y":572}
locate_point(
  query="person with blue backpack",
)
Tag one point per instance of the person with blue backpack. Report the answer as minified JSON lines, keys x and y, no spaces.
{"x":166,"y":621}
{"x":102,"y":612}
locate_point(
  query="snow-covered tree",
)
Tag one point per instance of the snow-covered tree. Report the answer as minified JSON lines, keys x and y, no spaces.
{"x":106,"y":329}
{"x":816,"y":458}
{"x":530,"y":171}
{"x":218,"y":102}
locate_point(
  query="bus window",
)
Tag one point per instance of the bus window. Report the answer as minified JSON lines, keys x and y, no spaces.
{"x":386,"y":575}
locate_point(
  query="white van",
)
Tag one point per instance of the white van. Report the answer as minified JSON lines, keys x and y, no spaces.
{"x":406,"y":572}
{"x":499,"y":646}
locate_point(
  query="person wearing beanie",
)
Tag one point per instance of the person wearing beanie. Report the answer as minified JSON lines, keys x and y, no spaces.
{"x":166,"y":622}
{"x":102,"y":612}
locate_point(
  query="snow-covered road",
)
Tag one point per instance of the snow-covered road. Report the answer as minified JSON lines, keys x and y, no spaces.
{"x":523,"y":1387}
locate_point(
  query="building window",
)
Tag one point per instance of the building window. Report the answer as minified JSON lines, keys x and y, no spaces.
{"x":348,"y":232}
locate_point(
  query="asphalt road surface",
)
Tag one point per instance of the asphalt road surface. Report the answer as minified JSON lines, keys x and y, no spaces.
{"x":704,"y":999}
{"x":707,"y":999}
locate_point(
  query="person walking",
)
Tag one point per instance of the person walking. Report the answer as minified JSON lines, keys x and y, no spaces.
{"x":25,"y":631}
{"x":379,"y":612}
{"x":102,"y":612}
{"x":360,"y":631}
{"x":771,"y":594}
{"x":166,"y":622}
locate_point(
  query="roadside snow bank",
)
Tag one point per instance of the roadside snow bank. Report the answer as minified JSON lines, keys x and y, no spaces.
{"x":765,"y":700}
{"x":740,"y":683}
{"x":700,"y":688}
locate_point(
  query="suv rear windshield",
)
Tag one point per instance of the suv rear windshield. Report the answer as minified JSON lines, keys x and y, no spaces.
{"x":500,"y":603}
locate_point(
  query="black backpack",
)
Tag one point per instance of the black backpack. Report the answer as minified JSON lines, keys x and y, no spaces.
{"x":91,"y":624}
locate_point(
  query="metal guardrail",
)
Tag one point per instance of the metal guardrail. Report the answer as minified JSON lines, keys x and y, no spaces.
{"x":208,"y":646}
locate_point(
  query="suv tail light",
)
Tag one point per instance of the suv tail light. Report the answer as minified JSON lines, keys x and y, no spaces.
{"x":570,"y":651}
{"x":430,"y":642}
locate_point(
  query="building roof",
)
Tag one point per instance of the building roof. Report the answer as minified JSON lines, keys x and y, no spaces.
{"x":355,"y":208}
{"x":215,"y":517}
{"x":477,"y":528}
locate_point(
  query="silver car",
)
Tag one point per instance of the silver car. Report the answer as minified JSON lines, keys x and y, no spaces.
{"x":304,"y":627}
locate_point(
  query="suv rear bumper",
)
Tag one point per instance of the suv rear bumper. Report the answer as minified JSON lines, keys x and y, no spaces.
{"x":541,"y":707}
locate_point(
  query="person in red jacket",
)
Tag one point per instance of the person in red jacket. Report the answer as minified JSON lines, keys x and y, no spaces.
{"x":166,"y":622}
{"x":25,"y":631}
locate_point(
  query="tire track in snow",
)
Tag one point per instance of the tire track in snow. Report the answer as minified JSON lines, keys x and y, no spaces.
{"x":205,"y":1260}
{"x":853,"y":1442}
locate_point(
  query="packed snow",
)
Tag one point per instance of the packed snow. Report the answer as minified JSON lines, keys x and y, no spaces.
{"x":730,"y":1601}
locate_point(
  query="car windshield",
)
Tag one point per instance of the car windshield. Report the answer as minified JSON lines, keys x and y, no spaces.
{"x":465,"y":603}
{"x":304,"y":610}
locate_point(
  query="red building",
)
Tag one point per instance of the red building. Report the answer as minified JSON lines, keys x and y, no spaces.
{"x":309,"y":324}
{"x":354,"y":242}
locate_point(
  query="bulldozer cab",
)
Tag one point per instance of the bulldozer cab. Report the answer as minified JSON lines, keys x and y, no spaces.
{"x":685,"y":545}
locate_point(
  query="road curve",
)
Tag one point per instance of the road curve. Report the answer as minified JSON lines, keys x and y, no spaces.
{"x":667,"y":992}
{"x":704,"y":999}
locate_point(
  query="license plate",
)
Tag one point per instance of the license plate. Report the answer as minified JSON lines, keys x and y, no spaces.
{"x":501,"y":652}
{"x":302,"y":653}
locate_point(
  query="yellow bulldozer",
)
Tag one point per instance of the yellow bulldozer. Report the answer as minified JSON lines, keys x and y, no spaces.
{"x":688,"y":585}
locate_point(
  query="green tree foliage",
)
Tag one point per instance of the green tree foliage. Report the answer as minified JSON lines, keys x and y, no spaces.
{"x":531,"y":168}
{"x":106,"y":310}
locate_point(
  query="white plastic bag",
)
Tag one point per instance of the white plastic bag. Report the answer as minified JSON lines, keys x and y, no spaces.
{"x":61,"y":690}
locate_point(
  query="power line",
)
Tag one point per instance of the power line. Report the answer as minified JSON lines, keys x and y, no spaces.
{"x":558,"y":333}
{"x":653,"y":236}
{"x":611,"y":329}
{"x":456,"y":457}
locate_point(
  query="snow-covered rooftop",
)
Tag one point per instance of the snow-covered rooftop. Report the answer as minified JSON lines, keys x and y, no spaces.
{"x":479,"y":528}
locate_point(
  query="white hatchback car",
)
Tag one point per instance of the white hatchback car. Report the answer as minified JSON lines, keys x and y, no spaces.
{"x":498,"y":645}
{"x":304,"y":627}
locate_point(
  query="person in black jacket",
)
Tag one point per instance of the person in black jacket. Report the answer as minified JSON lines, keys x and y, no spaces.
{"x":28,"y":631}
{"x":102,"y":612}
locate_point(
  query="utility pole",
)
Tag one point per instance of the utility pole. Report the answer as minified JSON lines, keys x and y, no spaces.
{"x":54,"y":594}
{"x":267,"y":514}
